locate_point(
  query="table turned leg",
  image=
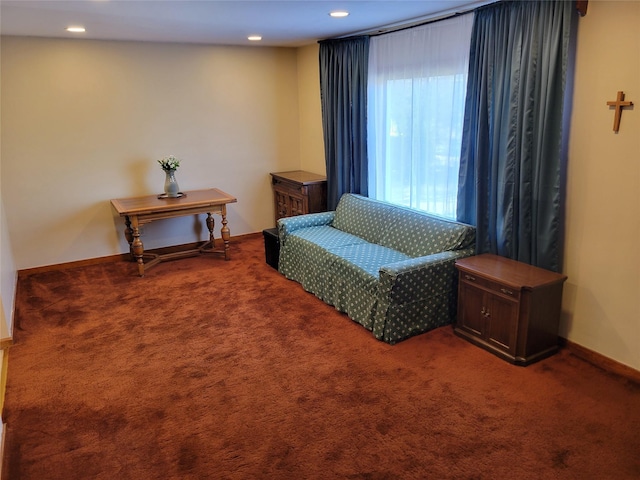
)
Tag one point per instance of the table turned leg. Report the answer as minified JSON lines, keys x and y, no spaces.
{"x":210,"y":225}
{"x":226,"y":234}
{"x":137,"y":246}
{"x":128,"y":234}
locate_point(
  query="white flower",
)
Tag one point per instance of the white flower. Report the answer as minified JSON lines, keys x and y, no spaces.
{"x":169,"y":163}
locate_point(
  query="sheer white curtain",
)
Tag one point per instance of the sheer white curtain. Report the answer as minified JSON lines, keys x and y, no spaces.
{"x":416,"y":95}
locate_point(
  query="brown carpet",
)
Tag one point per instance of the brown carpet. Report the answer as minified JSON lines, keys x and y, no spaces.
{"x":207,"y":369}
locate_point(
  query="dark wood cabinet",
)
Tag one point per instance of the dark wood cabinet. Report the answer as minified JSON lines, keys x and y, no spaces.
{"x":298,"y":192}
{"x":509,"y":308}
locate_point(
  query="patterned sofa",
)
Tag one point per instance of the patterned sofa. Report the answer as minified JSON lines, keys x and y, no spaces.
{"x":390,"y":268}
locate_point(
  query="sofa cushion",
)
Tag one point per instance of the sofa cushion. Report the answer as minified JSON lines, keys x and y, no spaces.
{"x":325,"y":237}
{"x":306,"y":255}
{"x":410,"y":231}
{"x":364,"y":260}
{"x":418,"y":234}
{"x":363,"y":217}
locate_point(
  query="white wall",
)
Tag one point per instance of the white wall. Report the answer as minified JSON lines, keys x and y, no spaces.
{"x":602,"y":259}
{"x":85,"y":121}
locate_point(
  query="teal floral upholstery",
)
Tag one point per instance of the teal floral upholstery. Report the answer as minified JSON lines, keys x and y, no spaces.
{"x":390,"y":268}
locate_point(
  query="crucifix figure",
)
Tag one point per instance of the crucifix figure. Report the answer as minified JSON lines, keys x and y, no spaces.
{"x":619,"y":104}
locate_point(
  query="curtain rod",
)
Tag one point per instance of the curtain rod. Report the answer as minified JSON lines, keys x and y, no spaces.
{"x":416,"y":22}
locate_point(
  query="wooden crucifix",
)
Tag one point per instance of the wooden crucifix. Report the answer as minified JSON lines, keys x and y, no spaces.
{"x":619,"y":104}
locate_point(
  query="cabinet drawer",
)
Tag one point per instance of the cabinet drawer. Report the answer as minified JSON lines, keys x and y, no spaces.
{"x":290,"y":187}
{"x":489,"y":285}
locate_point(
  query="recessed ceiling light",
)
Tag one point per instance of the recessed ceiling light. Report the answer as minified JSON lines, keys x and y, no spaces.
{"x":339,"y":13}
{"x":254,"y":38}
{"x":76,"y":29}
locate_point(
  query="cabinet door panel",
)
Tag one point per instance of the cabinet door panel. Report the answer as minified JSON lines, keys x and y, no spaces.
{"x":470,"y":317}
{"x":282,"y":204}
{"x":298,"y":206}
{"x":502,"y":326}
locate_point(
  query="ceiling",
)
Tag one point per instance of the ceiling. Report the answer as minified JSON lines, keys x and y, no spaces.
{"x":289,"y":23}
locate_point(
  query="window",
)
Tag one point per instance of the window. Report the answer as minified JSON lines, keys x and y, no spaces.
{"x":417,"y":86}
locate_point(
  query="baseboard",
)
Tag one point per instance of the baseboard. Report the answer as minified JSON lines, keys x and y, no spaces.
{"x":5,"y":343}
{"x":4,"y":349}
{"x":600,"y":361}
{"x":6,"y":340}
{"x":78,"y":263}
{"x":118,"y":257}
{"x":3,"y":434}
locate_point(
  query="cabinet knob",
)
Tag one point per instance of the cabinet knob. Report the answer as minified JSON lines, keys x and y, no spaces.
{"x":485,"y":313}
{"x":469,"y":277}
{"x":506,"y":291}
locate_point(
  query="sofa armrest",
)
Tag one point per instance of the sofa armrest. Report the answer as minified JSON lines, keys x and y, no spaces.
{"x":288,"y":225}
{"x":418,"y":278}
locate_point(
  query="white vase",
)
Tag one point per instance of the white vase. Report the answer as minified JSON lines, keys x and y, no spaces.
{"x":171,"y":187}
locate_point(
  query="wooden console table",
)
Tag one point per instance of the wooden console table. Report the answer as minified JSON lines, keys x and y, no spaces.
{"x":138,"y":211}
